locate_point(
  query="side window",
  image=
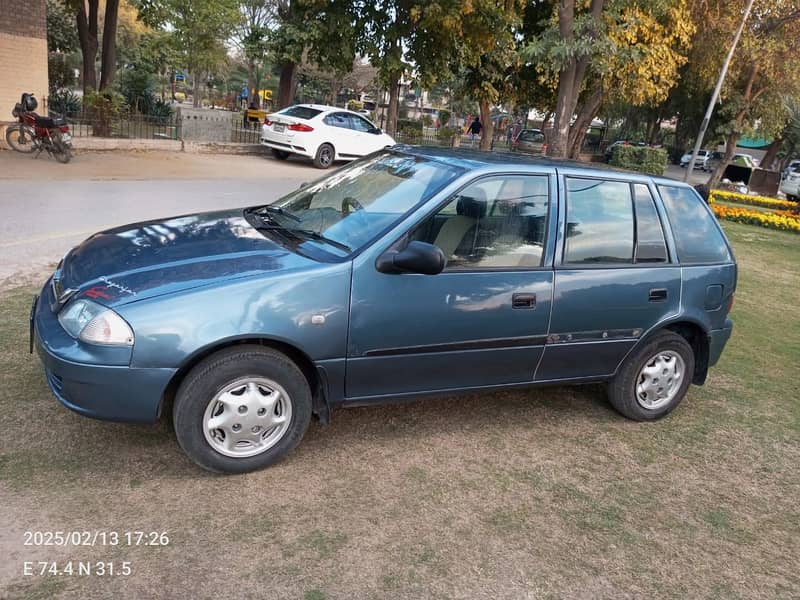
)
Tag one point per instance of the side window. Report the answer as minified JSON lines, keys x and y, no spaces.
{"x":599,"y":222}
{"x":650,"y":245}
{"x":360,"y":124}
{"x":494,"y":223}
{"x":338,"y":120}
{"x":698,"y":239}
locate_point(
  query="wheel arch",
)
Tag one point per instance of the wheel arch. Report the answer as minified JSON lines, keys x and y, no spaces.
{"x":695,"y":334}
{"x":316,"y":381}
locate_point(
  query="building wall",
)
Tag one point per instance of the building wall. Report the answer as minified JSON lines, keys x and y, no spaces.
{"x":23,"y":53}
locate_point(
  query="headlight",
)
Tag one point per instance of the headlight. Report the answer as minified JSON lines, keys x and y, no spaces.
{"x":95,"y":324}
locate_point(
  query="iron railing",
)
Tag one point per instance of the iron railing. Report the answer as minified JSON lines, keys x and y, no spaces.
{"x":124,"y":125}
{"x":244,"y":131}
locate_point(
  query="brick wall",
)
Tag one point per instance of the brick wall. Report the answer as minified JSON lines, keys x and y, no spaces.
{"x":23,"y":52}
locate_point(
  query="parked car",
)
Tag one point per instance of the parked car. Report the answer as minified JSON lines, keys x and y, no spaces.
{"x":412,"y":272}
{"x":790,"y":184}
{"x":789,"y":168}
{"x":322,"y":133}
{"x":610,"y":149}
{"x":738,"y":160}
{"x":530,"y":141}
{"x":700,"y":163}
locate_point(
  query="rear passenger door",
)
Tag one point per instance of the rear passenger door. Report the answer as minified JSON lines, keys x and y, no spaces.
{"x":343,"y":136}
{"x":614,"y":278}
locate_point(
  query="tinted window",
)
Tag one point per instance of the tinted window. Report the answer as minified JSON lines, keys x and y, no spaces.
{"x":338,"y":120}
{"x":531,"y":136}
{"x":301,"y":112}
{"x":599,"y":222}
{"x":697,"y":236}
{"x":650,"y":245}
{"x":360,"y":124}
{"x":497,"y":222}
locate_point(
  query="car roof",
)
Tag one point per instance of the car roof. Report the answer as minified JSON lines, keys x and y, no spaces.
{"x":474,"y":159}
{"x":323,"y":108}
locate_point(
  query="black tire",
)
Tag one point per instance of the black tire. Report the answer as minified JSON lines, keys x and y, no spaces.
{"x":280,"y":154}
{"x":325,"y":156}
{"x":20,"y":138}
{"x":210,"y":377}
{"x":622,"y":390}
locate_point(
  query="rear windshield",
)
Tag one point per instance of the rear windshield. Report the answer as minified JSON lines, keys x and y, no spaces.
{"x":301,"y":112}
{"x":698,"y":238}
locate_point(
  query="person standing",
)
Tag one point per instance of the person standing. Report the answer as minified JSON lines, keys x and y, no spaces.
{"x":474,"y":130}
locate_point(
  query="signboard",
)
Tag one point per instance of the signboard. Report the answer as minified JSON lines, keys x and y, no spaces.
{"x":180,"y":77}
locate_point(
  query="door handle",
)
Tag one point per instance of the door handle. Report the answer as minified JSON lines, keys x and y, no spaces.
{"x":657,"y":295}
{"x":523,"y":301}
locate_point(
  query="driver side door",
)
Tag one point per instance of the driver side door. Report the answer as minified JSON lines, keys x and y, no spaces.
{"x":482,"y":321}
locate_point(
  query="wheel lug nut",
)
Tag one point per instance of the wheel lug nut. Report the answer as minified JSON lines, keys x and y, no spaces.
{"x":256,"y":429}
{"x":236,"y":427}
{"x":242,"y":409}
{"x":262,"y":412}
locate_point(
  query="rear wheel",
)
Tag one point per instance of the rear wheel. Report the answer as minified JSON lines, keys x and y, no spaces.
{"x":20,"y":138}
{"x":324,"y":157}
{"x":242,"y":409}
{"x":61,"y":150}
{"x":654,"y":379}
{"x":280,"y":154}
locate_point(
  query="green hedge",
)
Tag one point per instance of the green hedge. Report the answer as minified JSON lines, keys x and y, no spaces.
{"x":409,"y":125}
{"x":640,"y":158}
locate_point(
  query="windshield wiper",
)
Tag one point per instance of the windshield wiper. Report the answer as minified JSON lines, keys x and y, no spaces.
{"x":277,"y":210}
{"x":318,"y":237}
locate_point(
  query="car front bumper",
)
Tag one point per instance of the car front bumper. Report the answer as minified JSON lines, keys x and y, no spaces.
{"x":717,"y":339}
{"x":101,"y":391}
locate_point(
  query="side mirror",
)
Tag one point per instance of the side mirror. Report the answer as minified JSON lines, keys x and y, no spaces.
{"x":376,"y":130}
{"x":417,"y":257}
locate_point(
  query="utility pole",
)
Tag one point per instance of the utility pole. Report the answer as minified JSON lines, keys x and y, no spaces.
{"x":710,"y":110}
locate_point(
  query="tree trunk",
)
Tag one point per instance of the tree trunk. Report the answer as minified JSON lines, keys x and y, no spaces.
{"x":287,"y":85}
{"x":771,"y":154}
{"x":547,"y":116}
{"x":394,"y":104}
{"x":570,"y":78}
{"x":196,"y":87}
{"x":487,"y":131}
{"x":588,"y":112}
{"x":251,"y":77}
{"x":730,"y":149}
{"x":87,"y":36}
{"x":109,"y":58}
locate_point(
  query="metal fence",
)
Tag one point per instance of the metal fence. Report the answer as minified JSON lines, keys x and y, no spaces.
{"x":125,"y":125}
{"x":431,"y":138}
{"x":244,"y":131}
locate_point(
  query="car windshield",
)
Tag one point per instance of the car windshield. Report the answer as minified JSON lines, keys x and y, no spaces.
{"x":301,"y":112}
{"x":345,"y":211}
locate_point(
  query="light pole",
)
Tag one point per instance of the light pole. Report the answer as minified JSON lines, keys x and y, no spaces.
{"x":715,"y":95}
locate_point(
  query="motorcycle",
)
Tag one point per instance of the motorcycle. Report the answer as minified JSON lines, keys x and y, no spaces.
{"x":34,"y":132}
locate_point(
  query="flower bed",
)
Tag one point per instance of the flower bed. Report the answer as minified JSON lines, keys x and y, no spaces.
{"x":783,"y":222}
{"x":751,"y":200}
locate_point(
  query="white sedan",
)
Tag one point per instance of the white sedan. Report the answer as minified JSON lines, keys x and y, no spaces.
{"x":323,"y":133}
{"x":700,"y":163}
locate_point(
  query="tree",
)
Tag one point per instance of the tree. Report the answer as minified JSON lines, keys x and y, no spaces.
{"x":251,"y":36}
{"x":199,"y":30}
{"x":764,"y":72}
{"x":608,"y":49}
{"x":86,"y":15}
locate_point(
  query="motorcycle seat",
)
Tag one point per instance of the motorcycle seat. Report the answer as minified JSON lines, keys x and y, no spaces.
{"x":50,"y":122}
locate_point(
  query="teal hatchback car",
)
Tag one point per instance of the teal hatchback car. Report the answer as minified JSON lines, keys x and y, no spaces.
{"x":412,"y":272}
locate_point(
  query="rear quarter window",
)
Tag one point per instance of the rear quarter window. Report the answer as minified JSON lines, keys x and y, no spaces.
{"x":698,"y":239}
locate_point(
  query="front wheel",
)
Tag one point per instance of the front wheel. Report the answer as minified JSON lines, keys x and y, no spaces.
{"x":242,"y":409}
{"x":654,"y":379}
{"x":324,"y":157}
{"x":21,"y":138}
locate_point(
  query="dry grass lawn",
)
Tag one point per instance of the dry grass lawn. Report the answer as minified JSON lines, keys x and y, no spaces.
{"x":534,"y":494}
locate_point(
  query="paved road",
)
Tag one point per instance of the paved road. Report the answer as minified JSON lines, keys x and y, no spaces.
{"x":42,"y":220}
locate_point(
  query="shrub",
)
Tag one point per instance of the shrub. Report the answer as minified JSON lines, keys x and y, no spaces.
{"x":102,"y":108}
{"x":355,"y":105}
{"x":640,"y":158}
{"x":447,"y":133}
{"x":427,"y":120}
{"x":409,"y":125}
{"x":752,"y":200}
{"x":444,"y":118}
{"x":64,"y":102}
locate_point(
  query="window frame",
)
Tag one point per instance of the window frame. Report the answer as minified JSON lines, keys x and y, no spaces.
{"x":549,"y":234}
{"x":561,"y":242}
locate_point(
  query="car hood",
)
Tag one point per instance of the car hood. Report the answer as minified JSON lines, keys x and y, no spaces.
{"x":148,"y":259}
